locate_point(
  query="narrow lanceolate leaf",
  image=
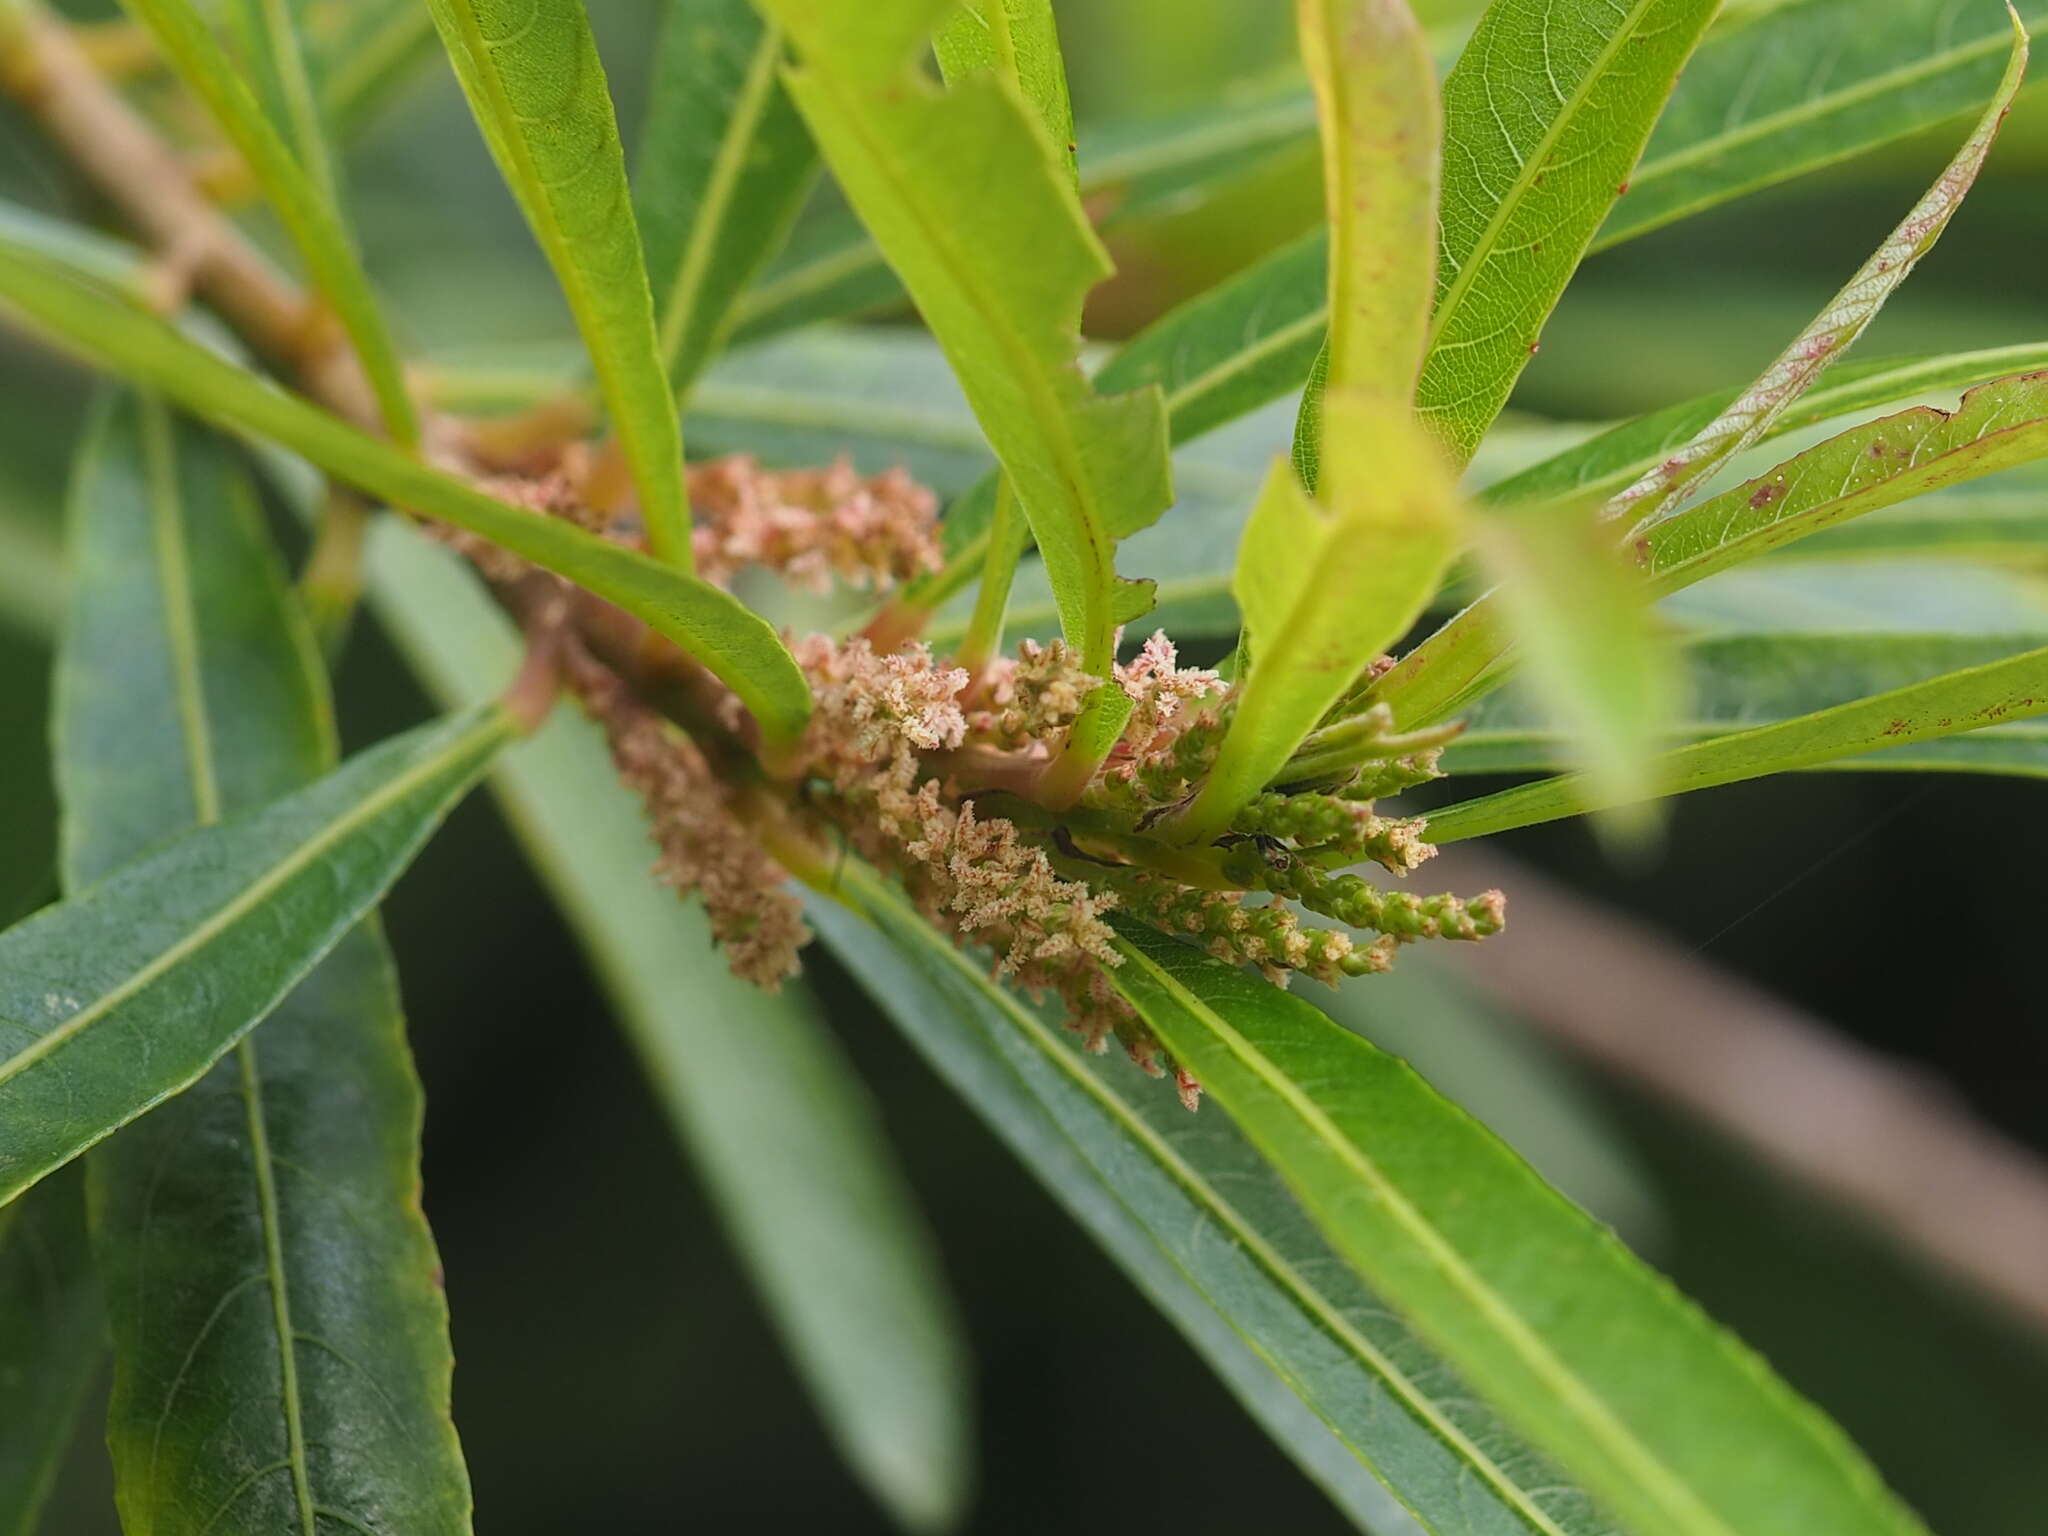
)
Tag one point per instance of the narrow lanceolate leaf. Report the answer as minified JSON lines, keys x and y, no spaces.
{"x":1744,"y":681}
{"x":1888,"y":73}
{"x":1615,"y":458}
{"x":1324,"y":590}
{"x":270,"y":37}
{"x":1545,"y":114}
{"x":758,"y":1090}
{"x":1674,"y":1426}
{"x":837,"y":272}
{"x":192,"y":946}
{"x":276,"y":1309}
{"x":999,"y":281}
{"x":306,"y":209}
{"x":1375,"y":86}
{"x":533,"y":78}
{"x":1205,"y":1228}
{"x":1875,"y":465}
{"x":1794,"y":86}
{"x":1018,"y":40}
{"x":1580,"y":621}
{"x":1834,"y":330}
{"x":51,"y":1342}
{"x":1245,"y":342}
{"x":2012,"y":689}
{"x":1015,"y":41}
{"x":730,"y":639}
{"x":724,"y":164}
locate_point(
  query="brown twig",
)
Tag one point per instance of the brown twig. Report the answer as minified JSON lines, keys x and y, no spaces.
{"x":43,"y":67}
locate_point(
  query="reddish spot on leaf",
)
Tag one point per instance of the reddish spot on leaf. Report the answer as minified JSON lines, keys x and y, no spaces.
{"x":1641,"y":550}
{"x":1766,"y":494}
{"x":1535,"y":347}
{"x":1878,"y":450}
{"x":1621,"y":190}
{"x":1897,"y":727}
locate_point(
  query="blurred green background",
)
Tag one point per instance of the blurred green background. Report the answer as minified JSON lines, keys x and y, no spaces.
{"x":615,"y":1373}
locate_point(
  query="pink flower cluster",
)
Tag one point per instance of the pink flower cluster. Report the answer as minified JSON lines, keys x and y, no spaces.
{"x":704,"y":848}
{"x":812,"y":525}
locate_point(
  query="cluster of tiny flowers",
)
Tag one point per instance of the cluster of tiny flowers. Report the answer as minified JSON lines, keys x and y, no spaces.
{"x":1031,"y":697}
{"x":873,"y":719}
{"x":812,"y":525}
{"x":907,"y":759}
{"x":703,"y":847}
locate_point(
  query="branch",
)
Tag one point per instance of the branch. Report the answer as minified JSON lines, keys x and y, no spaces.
{"x":43,"y":66}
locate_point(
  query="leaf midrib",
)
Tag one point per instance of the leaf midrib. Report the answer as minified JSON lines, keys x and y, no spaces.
{"x":1579,"y":1398}
{"x":1652,"y":169}
{"x":1553,"y":797}
{"x":727,"y":169}
{"x":1530,"y":168}
{"x":1868,"y":391}
{"x":650,"y":468}
{"x":1247,"y":1236}
{"x":1725,"y":551}
{"x":182,"y":636}
{"x":1052,"y":420}
{"x":1277,"y":124}
{"x":491,"y":724}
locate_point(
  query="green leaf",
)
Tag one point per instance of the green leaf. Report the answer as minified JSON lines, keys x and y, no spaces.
{"x":883,"y":396}
{"x":735,"y":643}
{"x":1834,"y":330}
{"x":1464,"y":658}
{"x":1375,"y":87}
{"x":306,"y":207}
{"x":834,"y":270}
{"x":1890,"y":73}
{"x":1375,"y":91}
{"x":51,"y":1341}
{"x":724,"y":165}
{"x":1018,"y":40}
{"x":1622,"y":454}
{"x":31,"y":578}
{"x":1881,"y":463}
{"x":1788,"y":88}
{"x":1545,"y":114}
{"x":1204,"y":1227}
{"x":1742,"y":679}
{"x":380,"y":48}
{"x":1581,"y":623}
{"x":759,"y":1092}
{"x":999,"y":282}
{"x":1999,"y":527}
{"x":533,"y":78}
{"x":268,"y":34}
{"x":1324,"y":592}
{"x":193,"y":945}
{"x":279,"y":1300}
{"x":2012,"y":689}
{"x":1245,"y":342}
{"x":1676,"y":1427}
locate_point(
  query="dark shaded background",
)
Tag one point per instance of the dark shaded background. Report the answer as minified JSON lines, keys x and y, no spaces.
{"x":615,"y":1373}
